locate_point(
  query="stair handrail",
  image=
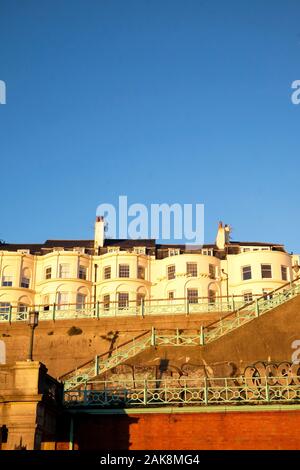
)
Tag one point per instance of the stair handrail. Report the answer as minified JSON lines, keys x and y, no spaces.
{"x":253,"y":302}
{"x":110,"y":351}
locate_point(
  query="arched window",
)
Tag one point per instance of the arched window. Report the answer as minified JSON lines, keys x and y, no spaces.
{"x":62,"y":300}
{"x":7,"y":277}
{"x":25,"y":278}
{"x":81,"y":298}
{"x":80,"y":301}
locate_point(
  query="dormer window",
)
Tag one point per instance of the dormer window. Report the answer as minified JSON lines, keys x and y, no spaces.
{"x":139,"y":250}
{"x":208,"y":252}
{"x":174,"y":251}
{"x":113,"y":249}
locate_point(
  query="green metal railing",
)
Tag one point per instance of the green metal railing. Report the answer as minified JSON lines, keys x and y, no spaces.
{"x":204,"y":391}
{"x":118,"y":355}
{"x":99,"y":310}
{"x":251,"y":311}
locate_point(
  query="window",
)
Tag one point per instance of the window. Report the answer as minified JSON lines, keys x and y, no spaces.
{"x":171,"y":295}
{"x":212,"y":271}
{"x":82,"y":272}
{"x":106,"y":301}
{"x":266,"y":271}
{"x":244,"y":250}
{"x":284,"y":275}
{"x":123,"y":300}
{"x":208,"y":252}
{"x":48,"y":272}
{"x":22,"y":307}
{"x":107,"y":272}
{"x":171,"y":271}
{"x":46,"y":305}
{"x":248,"y":297}
{"x":64,"y":270}
{"x":141,"y":272}
{"x":191,"y":269}
{"x":211,"y":296}
{"x":139,"y":250}
{"x":246,"y":273}
{"x":25,"y":282}
{"x":192,"y":295}
{"x":124,"y":270}
{"x":174,"y":251}
{"x":4,"y":307}
{"x":80,"y":301}
{"x":267,"y":294}
{"x":140,"y":298}
{"x":62,"y":300}
{"x":113,"y":249}
{"x":7,"y":281}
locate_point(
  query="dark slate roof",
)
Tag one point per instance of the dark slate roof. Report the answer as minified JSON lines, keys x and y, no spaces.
{"x":33,"y":247}
{"x":254,"y":243}
{"x":123,"y":243}
{"x":68,"y":243}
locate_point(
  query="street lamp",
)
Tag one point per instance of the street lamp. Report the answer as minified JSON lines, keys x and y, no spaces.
{"x":33,"y":320}
{"x":227,"y":290}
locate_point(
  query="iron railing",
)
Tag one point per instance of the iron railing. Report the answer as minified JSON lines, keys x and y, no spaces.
{"x":203,"y":391}
{"x":250,"y":311}
{"x":122,"y":353}
{"x":207,"y":334}
{"x":133,"y":309}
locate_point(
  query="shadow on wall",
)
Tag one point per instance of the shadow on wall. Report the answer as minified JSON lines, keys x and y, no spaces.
{"x":97,"y":432}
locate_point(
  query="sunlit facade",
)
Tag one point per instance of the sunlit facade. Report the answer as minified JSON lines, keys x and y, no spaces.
{"x":118,"y":274}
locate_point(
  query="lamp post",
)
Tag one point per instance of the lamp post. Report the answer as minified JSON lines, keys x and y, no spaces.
{"x":33,"y":320}
{"x":227,"y":290}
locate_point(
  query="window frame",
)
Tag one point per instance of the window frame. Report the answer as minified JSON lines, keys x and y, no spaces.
{"x":284,"y":277}
{"x":125,"y":300}
{"x":243,"y":272}
{"x":126,"y":268}
{"x":191,"y":271}
{"x":171,"y":274}
{"x":82,"y":269}
{"x":62,"y":266}
{"x":191,"y":297}
{"x":264,"y":270}
{"x":105,"y":269}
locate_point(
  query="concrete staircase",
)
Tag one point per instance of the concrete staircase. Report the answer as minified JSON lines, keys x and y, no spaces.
{"x":232,"y":321}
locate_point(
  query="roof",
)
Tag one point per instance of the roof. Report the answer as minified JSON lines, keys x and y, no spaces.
{"x":39,"y":248}
{"x":254,"y":243}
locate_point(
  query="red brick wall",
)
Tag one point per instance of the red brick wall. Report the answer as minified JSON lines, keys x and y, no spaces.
{"x":167,"y":431}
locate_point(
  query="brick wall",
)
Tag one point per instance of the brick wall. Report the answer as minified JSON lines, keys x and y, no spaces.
{"x":192,"y":431}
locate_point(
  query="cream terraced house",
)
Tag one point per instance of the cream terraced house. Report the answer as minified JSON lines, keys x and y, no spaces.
{"x":110,"y":277}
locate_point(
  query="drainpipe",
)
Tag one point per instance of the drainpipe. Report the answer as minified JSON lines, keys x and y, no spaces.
{"x":95,"y":284}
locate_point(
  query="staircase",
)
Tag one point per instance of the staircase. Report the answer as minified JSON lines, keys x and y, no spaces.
{"x":232,"y":321}
{"x":250,"y":311}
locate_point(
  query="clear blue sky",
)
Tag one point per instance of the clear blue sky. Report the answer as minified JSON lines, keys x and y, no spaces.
{"x":162,"y":100}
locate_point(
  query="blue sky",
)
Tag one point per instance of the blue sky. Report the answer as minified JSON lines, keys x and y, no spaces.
{"x":183,"y":101}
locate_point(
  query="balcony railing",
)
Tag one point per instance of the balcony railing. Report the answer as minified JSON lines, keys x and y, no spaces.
{"x":132,"y":309}
{"x":236,"y":310}
{"x":176,"y":392}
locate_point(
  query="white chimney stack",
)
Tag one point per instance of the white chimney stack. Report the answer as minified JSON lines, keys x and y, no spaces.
{"x":99,"y":232}
{"x":223,"y":236}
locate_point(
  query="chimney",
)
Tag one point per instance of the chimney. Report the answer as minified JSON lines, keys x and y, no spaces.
{"x":99,"y":232}
{"x":221,"y":237}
